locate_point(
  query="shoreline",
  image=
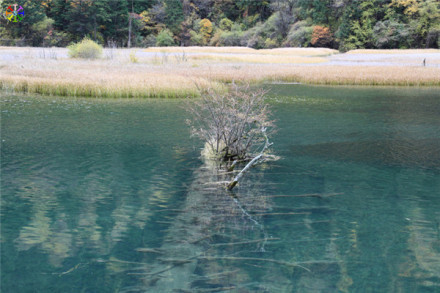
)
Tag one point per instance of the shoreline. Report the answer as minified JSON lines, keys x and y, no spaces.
{"x":180,"y":72}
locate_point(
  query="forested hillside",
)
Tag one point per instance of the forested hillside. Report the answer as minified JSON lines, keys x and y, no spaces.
{"x":340,"y":24}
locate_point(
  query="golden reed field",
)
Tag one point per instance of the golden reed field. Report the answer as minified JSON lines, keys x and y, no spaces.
{"x":181,"y":71}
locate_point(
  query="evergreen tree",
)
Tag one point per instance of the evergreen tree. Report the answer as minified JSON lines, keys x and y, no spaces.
{"x":225,"y":9}
{"x":320,"y":11}
{"x":174,"y":15}
{"x":113,"y":20}
{"x":142,"y":5}
{"x":81,"y":18}
{"x":354,"y":23}
{"x":58,"y":13}
{"x":25,"y":29}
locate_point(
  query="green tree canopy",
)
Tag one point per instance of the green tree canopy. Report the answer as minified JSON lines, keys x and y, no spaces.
{"x":256,"y":23}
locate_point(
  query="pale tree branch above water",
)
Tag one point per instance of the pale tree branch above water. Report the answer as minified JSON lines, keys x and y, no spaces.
{"x":233,"y":126}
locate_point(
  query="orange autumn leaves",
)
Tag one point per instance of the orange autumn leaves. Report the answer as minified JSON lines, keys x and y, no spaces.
{"x":321,"y":36}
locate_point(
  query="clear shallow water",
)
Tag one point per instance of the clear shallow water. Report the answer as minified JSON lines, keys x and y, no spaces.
{"x":110,"y":196}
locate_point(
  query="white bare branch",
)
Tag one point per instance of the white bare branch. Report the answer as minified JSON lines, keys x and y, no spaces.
{"x":254,"y":161}
{"x":230,"y":123}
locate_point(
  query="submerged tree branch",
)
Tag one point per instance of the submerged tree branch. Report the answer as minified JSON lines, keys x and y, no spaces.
{"x":290,"y":264}
{"x":254,"y":161}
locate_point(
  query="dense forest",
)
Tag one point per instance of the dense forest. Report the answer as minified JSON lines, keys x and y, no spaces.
{"x":339,"y":24}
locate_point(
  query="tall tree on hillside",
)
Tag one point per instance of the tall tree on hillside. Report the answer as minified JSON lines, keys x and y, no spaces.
{"x":430,"y":23}
{"x":344,"y":33}
{"x":81,"y":18}
{"x":408,"y":7}
{"x":354,"y":23}
{"x":285,"y":16}
{"x":423,"y":17}
{"x":174,"y":15}
{"x":58,"y":13}
{"x":251,"y":7}
{"x":356,"y":28}
{"x":203,"y":8}
{"x":285,"y":10}
{"x":25,"y":29}
{"x":113,"y":20}
{"x":225,"y":9}
{"x":142,"y":5}
{"x":304,"y":8}
{"x":321,"y":11}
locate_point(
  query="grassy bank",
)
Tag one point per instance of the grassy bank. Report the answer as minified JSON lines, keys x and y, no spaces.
{"x":178,"y":72}
{"x":393,"y":51}
{"x":248,"y":51}
{"x":98,"y":79}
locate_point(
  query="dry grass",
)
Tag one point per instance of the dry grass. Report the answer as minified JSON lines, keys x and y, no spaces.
{"x":413,"y":57}
{"x":332,"y":75}
{"x":23,"y":71}
{"x":154,"y":86}
{"x":394,"y":51}
{"x":236,"y":50}
{"x":97,"y":79}
{"x":250,"y":58}
{"x":415,"y":61}
{"x":245,"y":50}
{"x":300,"y":51}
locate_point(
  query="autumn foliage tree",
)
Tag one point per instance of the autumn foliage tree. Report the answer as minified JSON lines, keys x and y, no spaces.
{"x":206,"y":30}
{"x":321,"y":37}
{"x":410,"y":7}
{"x":341,"y":24}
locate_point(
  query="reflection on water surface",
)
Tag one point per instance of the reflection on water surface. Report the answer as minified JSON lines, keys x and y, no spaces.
{"x":105,"y":196}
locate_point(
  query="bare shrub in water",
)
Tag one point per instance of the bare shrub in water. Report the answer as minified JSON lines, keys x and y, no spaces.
{"x":230,"y":123}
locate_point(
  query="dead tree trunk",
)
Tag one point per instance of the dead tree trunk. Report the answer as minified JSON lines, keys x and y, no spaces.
{"x":130,"y":16}
{"x":253,"y":162}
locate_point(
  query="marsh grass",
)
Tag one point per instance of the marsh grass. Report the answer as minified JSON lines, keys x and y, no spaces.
{"x":22,"y":70}
{"x":85,"y":89}
{"x":245,"y":50}
{"x":325,"y":75}
{"x":250,"y":58}
{"x":99,"y":79}
{"x":394,"y":51}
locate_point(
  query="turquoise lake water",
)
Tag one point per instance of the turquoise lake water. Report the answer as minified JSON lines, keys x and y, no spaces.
{"x":112,"y":196}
